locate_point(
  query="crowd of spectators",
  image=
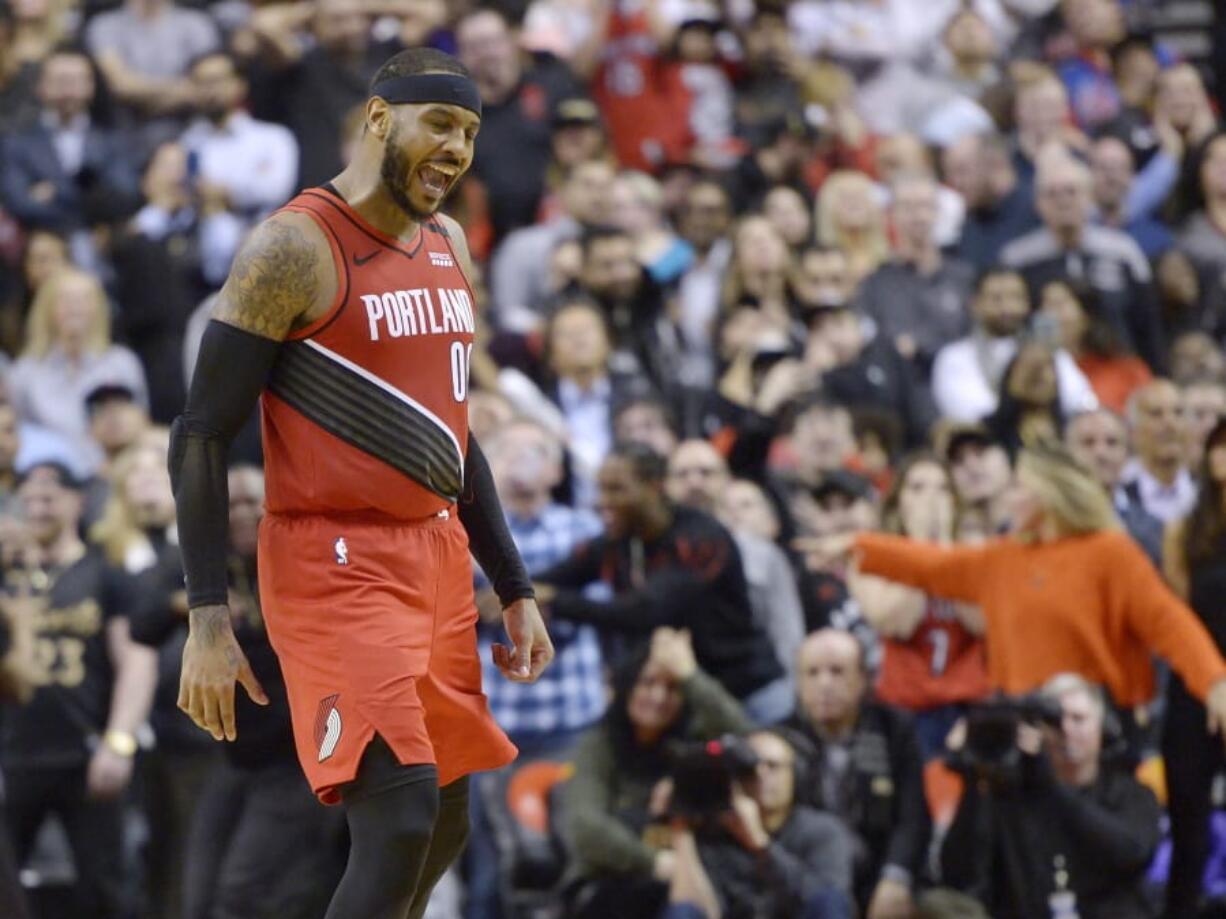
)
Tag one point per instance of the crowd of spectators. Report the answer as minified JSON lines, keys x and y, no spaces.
{"x":852,"y":375}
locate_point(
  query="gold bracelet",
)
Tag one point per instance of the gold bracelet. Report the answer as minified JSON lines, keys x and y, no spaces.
{"x":120,"y":742}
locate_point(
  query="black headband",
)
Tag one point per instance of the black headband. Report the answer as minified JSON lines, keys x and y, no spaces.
{"x":444,"y":88}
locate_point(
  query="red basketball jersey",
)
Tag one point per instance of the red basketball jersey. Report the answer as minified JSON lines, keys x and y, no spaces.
{"x":940,"y":664}
{"x":366,"y":408}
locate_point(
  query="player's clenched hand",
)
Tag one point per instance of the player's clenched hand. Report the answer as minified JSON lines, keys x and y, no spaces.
{"x":212,"y":662}
{"x":531,"y":650}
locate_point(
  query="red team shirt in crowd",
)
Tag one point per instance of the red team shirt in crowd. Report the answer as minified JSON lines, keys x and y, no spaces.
{"x":642,"y":98}
{"x":942,"y":663}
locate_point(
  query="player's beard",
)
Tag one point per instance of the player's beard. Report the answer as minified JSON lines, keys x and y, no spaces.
{"x":395,"y":173}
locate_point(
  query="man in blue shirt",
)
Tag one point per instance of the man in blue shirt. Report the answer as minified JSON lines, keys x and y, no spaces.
{"x":543,"y":718}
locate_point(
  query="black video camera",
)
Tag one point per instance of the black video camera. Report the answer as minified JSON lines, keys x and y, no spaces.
{"x":703,"y":774}
{"x":991,"y":750}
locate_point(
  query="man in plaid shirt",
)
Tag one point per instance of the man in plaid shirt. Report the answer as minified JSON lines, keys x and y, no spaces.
{"x":542,"y":718}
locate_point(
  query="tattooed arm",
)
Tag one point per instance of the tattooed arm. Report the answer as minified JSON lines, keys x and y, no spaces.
{"x":282,"y":279}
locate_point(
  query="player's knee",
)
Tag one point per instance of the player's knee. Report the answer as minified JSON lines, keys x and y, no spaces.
{"x":392,"y":808}
{"x":408,"y":814}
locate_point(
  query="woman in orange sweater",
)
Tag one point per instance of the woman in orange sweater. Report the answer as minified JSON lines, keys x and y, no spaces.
{"x":1068,"y":590}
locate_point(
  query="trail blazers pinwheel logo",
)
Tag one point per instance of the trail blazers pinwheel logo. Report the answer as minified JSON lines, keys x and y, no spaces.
{"x":327,"y":727}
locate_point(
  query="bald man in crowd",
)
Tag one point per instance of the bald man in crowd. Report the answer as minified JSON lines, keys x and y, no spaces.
{"x":867,"y":770}
{"x":1069,"y":246}
{"x":1159,"y":470}
{"x":1099,"y":441}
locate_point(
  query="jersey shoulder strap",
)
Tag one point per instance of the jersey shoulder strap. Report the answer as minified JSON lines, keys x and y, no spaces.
{"x":312,"y":203}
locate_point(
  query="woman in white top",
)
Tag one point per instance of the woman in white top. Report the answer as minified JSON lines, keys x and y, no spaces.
{"x":68,"y":353}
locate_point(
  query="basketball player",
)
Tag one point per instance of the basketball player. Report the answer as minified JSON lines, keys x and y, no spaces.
{"x":349,"y":310}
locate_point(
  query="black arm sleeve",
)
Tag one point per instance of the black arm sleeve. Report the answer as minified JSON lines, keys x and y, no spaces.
{"x":579,"y":569}
{"x":231,"y":371}
{"x":488,"y":536}
{"x":663,"y":600}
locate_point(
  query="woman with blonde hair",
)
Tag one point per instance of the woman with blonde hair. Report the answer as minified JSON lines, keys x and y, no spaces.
{"x":1066,"y":590}
{"x":140,"y":513}
{"x":850,"y":218}
{"x":758,"y":275}
{"x":68,"y":353}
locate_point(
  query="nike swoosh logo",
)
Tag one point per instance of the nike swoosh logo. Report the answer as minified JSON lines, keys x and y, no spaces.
{"x":361,"y":260}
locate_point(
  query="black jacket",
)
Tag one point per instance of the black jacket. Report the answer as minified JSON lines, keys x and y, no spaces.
{"x":880,"y":380}
{"x":1004,"y":844}
{"x":515,"y":150}
{"x":690,"y":577}
{"x":810,"y":853}
{"x":885,"y":803}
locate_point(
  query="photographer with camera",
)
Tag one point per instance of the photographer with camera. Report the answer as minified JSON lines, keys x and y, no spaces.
{"x":616,"y":801}
{"x":745,"y":847}
{"x":1052,"y":822}
{"x":867,"y":770}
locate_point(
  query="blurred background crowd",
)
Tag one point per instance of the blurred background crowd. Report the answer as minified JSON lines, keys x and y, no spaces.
{"x":852,"y":374}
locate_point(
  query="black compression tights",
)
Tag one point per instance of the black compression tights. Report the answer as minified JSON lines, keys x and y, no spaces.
{"x":404,"y":832}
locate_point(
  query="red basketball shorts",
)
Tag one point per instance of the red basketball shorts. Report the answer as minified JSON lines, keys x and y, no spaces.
{"x":375,"y":628}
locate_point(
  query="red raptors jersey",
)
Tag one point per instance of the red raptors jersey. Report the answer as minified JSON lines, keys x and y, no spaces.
{"x":643,"y":99}
{"x":366,"y":408}
{"x":942,"y":663}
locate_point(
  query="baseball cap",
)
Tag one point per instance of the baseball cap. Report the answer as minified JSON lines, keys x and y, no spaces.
{"x":63,"y":475}
{"x":107,"y":392}
{"x":575,"y":112}
{"x":843,"y":482}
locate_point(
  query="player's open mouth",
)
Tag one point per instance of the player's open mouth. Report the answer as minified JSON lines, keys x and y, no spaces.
{"x":437,"y":177}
